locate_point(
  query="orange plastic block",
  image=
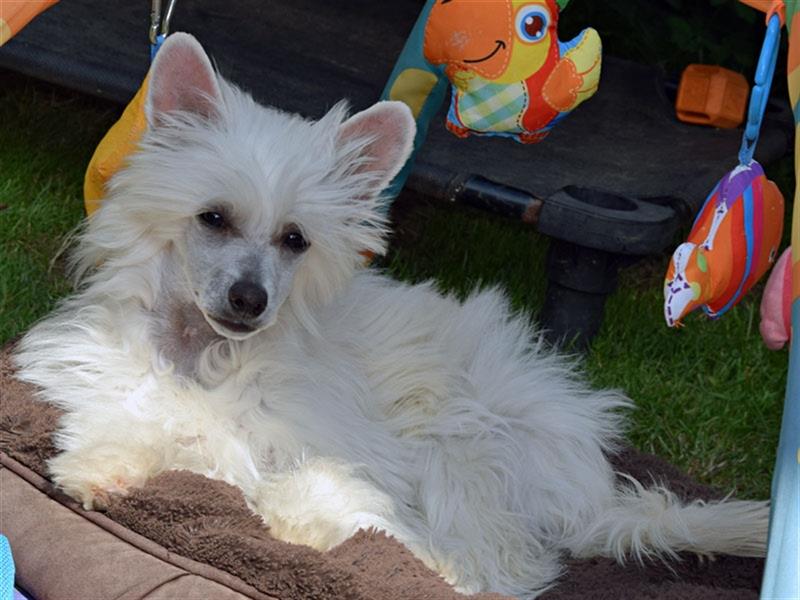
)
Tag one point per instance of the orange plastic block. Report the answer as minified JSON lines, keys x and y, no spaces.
{"x":711,"y":95}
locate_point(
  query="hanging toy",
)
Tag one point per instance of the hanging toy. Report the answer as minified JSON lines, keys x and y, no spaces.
{"x":16,"y":15}
{"x":123,"y":138}
{"x":119,"y":142}
{"x":510,"y":74}
{"x":735,"y":237}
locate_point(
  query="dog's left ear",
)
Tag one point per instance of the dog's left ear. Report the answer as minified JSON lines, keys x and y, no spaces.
{"x":181,"y":79}
{"x":390,"y":128}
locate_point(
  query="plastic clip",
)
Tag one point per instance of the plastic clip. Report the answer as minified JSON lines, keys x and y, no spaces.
{"x":761,"y":87}
{"x":159,"y":25}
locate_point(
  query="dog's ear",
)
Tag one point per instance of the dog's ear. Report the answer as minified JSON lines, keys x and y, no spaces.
{"x":181,"y":79}
{"x":389,"y":128}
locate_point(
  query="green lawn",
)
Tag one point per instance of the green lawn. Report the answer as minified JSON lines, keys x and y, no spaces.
{"x":46,"y":139}
{"x":709,"y":396}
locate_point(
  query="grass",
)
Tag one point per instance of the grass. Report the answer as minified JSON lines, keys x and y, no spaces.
{"x":46,"y":139}
{"x":708,"y":397}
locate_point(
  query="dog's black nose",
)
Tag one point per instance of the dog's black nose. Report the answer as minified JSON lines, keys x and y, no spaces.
{"x":247,"y":299}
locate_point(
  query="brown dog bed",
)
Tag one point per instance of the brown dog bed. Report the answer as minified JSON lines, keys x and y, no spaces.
{"x":188,"y":537}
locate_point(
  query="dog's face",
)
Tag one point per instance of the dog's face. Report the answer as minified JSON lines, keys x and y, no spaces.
{"x":240,"y":274}
{"x":258,"y":208}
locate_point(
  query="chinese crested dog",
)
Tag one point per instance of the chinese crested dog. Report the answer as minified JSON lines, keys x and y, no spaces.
{"x":223,"y":323}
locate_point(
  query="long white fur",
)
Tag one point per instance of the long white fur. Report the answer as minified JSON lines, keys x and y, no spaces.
{"x":367,"y":403}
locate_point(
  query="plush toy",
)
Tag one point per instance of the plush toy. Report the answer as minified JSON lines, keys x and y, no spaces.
{"x":733,"y":242}
{"x":776,"y":304}
{"x":501,"y":62}
{"x":124,"y":136}
{"x":16,"y":15}
{"x":510,"y":74}
{"x":119,"y":142}
{"x":735,"y":237}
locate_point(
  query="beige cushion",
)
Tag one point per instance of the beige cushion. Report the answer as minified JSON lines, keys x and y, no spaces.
{"x":62,"y":554}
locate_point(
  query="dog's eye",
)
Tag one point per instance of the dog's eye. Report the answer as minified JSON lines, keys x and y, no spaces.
{"x":294,"y":241}
{"x":212,"y":219}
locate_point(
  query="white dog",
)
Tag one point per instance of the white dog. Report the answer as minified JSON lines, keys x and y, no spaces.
{"x":223,"y":324}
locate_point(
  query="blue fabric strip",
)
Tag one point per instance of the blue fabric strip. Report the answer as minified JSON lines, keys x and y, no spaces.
{"x":412,"y":57}
{"x":782,"y":571}
{"x":6,"y":570}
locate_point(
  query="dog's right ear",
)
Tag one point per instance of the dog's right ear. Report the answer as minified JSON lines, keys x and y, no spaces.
{"x":181,"y":79}
{"x":388,"y":128}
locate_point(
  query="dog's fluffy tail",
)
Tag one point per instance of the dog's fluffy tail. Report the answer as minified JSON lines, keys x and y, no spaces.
{"x":652,"y":523}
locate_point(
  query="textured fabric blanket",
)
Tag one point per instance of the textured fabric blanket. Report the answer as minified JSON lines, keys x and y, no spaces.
{"x":183,"y":535}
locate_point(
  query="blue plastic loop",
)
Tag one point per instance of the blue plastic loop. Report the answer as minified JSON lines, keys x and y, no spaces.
{"x":155,"y":46}
{"x":760,"y":94}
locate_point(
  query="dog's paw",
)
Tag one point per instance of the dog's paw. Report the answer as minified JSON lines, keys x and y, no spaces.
{"x":101,"y":495}
{"x":322,"y":503}
{"x":92,"y":494}
{"x":93,"y":477}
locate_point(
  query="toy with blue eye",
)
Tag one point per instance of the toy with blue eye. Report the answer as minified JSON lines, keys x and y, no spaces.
{"x":510,"y":74}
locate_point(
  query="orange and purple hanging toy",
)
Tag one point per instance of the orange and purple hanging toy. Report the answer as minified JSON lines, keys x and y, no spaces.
{"x":736,"y":235}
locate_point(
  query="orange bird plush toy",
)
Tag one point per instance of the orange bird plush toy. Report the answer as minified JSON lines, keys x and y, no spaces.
{"x":511,"y":75}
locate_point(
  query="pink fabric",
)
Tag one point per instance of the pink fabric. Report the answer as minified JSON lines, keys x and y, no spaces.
{"x":776,"y":303}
